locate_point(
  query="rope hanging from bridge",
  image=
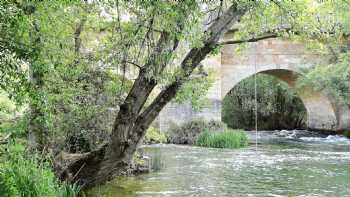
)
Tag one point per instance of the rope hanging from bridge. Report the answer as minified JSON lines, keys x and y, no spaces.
{"x":255,"y":99}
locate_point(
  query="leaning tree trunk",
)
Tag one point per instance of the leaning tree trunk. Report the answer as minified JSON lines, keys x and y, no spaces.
{"x":115,"y":158}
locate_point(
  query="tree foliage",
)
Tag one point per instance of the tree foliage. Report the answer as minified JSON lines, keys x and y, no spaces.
{"x":278,"y":105}
{"x":332,"y":75}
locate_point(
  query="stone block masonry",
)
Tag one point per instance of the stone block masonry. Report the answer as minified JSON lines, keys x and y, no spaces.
{"x":277,"y":57}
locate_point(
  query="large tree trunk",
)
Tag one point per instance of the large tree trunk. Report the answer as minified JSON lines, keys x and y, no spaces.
{"x":115,"y":158}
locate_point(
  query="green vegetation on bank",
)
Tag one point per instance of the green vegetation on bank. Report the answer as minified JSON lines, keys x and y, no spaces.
{"x":29,"y":176}
{"x":347,"y":134}
{"x":199,"y":132}
{"x":279,"y":107}
{"x":225,"y":139}
{"x":24,"y":173}
{"x":206,"y":133}
{"x":154,"y":136}
{"x":187,"y":132}
{"x":12,"y":119}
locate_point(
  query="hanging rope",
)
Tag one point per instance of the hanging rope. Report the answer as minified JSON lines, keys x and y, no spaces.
{"x":256,"y":99}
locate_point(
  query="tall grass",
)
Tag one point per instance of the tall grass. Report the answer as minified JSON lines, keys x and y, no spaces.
{"x":188,"y":132}
{"x":226,"y":139}
{"x":30,"y":177}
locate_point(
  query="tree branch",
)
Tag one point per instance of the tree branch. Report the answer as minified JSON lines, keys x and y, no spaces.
{"x":132,"y":63}
{"x":254,"y":39}
{"x":266,"y":35}
{"x":190,"y":62}
{"x":77,"y":39}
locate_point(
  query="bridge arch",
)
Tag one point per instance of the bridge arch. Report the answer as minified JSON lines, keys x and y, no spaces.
{"x":284,"y":59}
{"x":321,"y":113}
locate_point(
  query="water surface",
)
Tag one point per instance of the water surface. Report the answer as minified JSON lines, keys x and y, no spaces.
{"x":307,"y":166}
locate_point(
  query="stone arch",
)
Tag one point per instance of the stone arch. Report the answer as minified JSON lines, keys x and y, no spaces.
{"x":321,"y":113}
{"x":283,"y":59}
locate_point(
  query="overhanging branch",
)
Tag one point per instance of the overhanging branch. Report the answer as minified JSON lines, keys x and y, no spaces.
{"x":132,"y":63}
{"x":272,"y":34}
{"x":254,"y":39}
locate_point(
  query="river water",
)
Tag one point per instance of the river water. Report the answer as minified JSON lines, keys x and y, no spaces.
{"x":278,"y":166}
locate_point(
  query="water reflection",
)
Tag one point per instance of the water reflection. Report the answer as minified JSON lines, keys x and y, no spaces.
{"x":156,"y":155}
{"x":280,"y":167}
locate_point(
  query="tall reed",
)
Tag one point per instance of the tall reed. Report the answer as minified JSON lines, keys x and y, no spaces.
{"x":223,"y":139}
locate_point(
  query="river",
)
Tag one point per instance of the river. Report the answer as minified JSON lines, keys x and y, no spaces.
{"x":277,"y":166}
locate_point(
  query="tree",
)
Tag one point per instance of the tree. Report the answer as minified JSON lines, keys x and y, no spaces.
{"x":16,"y":51}
{"x":164,"y":26}
{"x":163,"y":42}
{"x":332,"y":75}
{"x":167,"y":23}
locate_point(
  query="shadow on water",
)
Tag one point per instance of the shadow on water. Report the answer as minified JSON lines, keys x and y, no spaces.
{"x":156,"y":158}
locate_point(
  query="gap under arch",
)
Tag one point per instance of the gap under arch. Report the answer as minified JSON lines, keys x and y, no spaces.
{"x":321,"y":112}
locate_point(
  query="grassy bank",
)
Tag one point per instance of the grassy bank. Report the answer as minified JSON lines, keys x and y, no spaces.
{"x":22,"y":175}
{"x":225,"y":139}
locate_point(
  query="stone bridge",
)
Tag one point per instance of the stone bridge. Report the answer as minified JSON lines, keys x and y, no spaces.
{"x":280,"y":58}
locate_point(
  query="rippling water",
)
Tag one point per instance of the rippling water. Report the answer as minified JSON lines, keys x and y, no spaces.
{"x":307,"y":166}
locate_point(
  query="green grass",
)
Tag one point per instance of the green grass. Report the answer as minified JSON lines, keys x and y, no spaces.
{"x":29,"y":177}
{"x":225,"y":139}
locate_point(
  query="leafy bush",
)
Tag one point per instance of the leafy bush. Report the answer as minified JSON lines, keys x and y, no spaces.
{"x":153,"y":135}
{"x":7,"y":107}
{"x":18,"y":127}
{"x":347,"y":134}
{"x":77,"y":142}
{"x":20,"y":176}
{"x":81,"y":106}
{"x":226,"y":139}
{"x":187,"y":133}
{"x":10,"y":121}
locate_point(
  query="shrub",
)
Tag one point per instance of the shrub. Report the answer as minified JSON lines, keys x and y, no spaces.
{"x":12,"y":119}
{"x":17,"y":127}
{"x":20,"y":176}
{"x":81,"y":106}
{"x":347,"y":134}
{"x":7,"y":107}
{"x":153,"y":135}
{"x":187,"y":132}
{"x":226,"y":139}
{"x":77,"y":142}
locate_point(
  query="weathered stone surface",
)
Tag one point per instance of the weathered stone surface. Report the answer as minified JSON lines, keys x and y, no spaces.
{"x":276,"y":57}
